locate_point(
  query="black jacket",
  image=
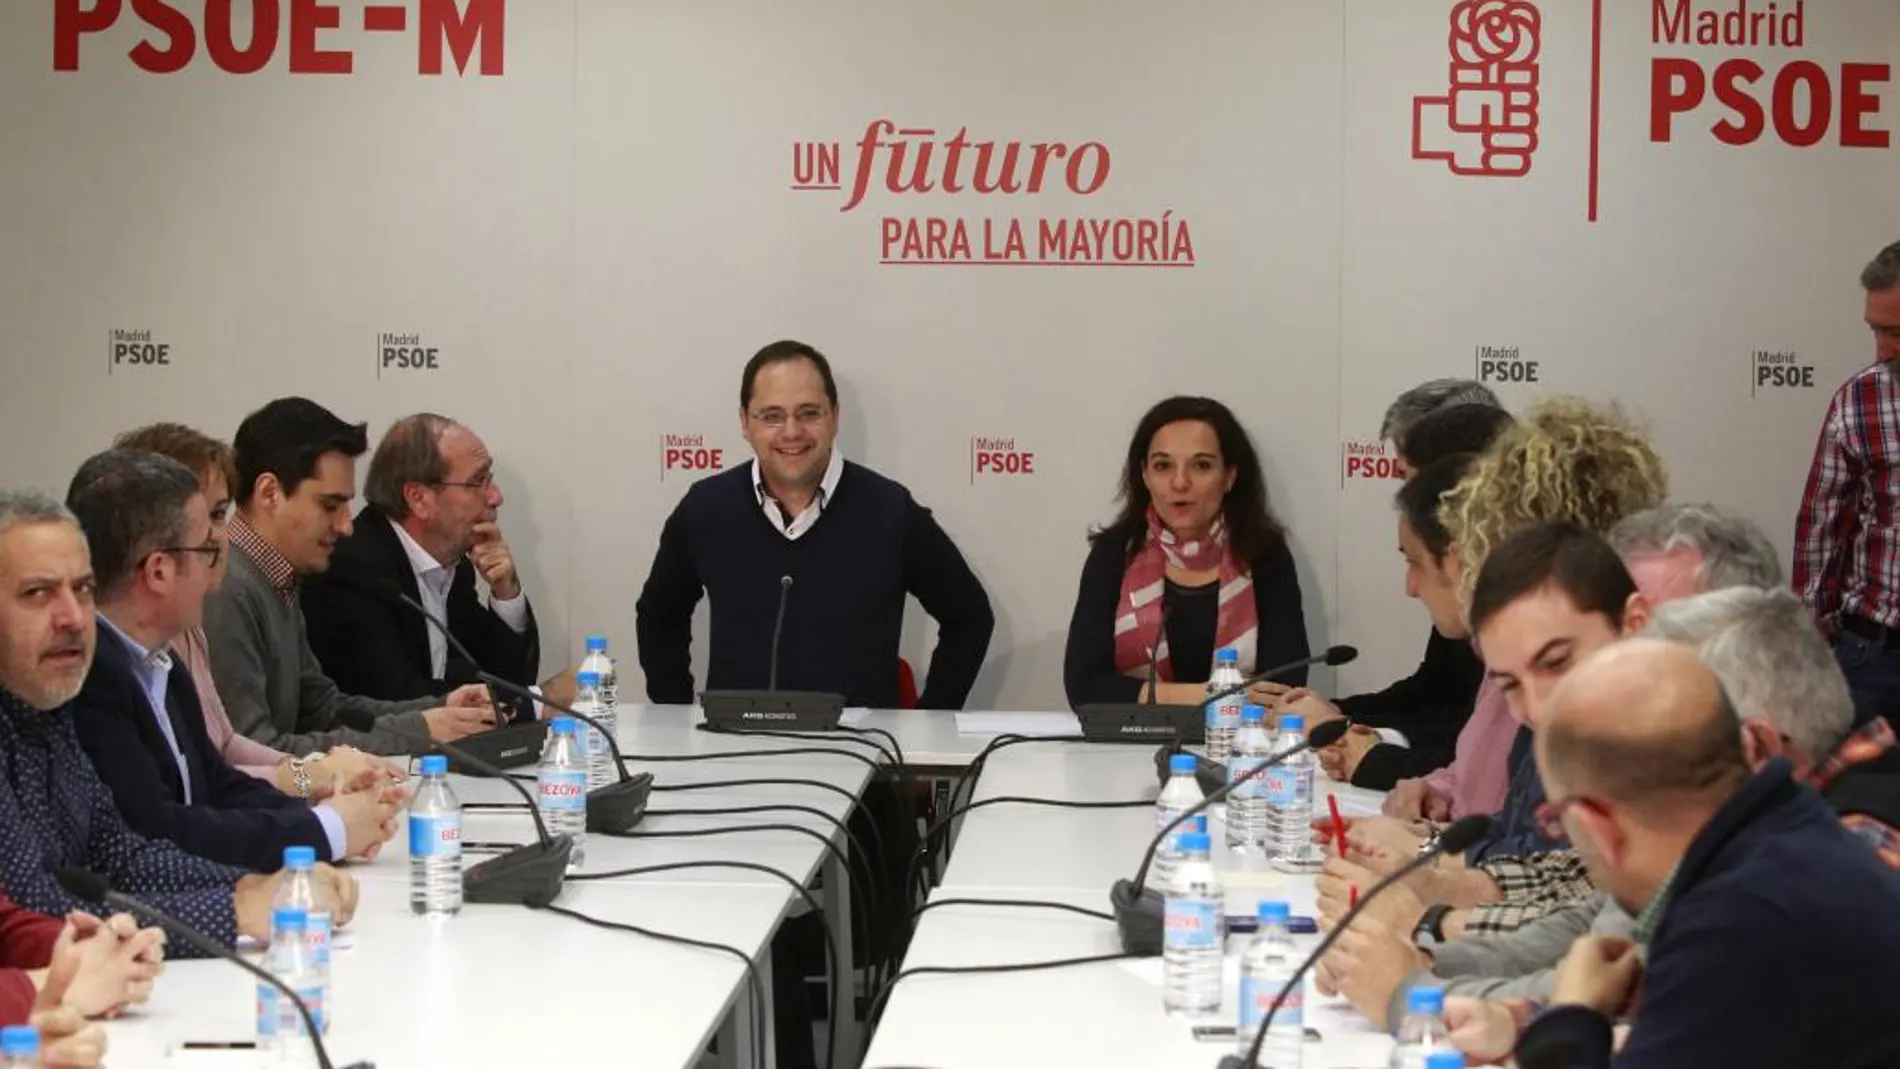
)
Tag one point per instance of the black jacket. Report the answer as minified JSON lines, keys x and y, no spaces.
{"x":378,"y":647}
{"x":1430,"y":706}
{"x":234,"y":818}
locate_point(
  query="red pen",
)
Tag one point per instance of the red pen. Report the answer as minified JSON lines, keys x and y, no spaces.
{"x":1339,"y":825}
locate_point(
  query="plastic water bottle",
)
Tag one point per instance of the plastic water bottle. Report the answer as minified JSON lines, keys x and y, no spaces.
{"x":1194,"y":933}
{"x":1223,"y":717}
{"x":19,"y":1047}
{"x":1423,"y":1032}
{"x":601,"y":770}
{"x":302,"y":890}
{"x":603,"y":668}
{"x":435,"y":843}
{"x":1181,"y":793}
{"x":1445,"y":1059}
{"x":1266,"y":966}
{"x":279,"y":1025}
{"x":1247,"y":803}
{"x":561,"y":786}
{"x":1290,"y":802}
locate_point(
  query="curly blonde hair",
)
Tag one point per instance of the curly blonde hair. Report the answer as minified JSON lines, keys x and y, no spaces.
{"x":1571,"y":459}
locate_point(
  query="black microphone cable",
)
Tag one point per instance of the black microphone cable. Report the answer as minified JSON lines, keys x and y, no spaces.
{"x":893,"y":754}
{"x":876,"y":1011}
{"x":753,"y":980}
{"x":913,"y":875}
{"x":832,"y":954}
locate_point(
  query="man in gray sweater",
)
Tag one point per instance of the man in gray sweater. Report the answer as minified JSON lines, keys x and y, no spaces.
{"x":296,"y":465}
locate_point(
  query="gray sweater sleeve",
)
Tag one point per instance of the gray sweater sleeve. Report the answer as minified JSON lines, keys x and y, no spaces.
{"x":246,"y":645}
{"x":1519,"y":964}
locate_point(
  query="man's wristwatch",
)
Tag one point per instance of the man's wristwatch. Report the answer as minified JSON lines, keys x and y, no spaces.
{"x":1430,"y":930}
{"x":1430,"y":842}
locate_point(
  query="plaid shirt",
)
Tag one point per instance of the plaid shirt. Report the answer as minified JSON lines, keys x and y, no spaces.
{"x":283,"y":577}
{"x":1870,"y":743}
{"x":1847,"y":536}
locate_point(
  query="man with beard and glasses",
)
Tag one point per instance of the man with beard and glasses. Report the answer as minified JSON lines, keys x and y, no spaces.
{"x":1847,"y":545}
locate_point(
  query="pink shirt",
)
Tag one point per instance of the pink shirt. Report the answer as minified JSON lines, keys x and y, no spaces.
{"x":1480,"y":770}
{"x":245,"y":754}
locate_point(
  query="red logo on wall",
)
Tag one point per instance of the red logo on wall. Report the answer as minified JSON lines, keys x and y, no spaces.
{"x":1486,"y":122}
{"x":999,"y":456}
{"x":893,"y":161}
{"x":310,"y":30}
{"x":1361,"y":460}
{"x":689,"y":453}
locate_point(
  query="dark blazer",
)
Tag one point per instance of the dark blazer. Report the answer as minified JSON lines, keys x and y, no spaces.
{"x":234,"y":818}
{"x":379,"y":648}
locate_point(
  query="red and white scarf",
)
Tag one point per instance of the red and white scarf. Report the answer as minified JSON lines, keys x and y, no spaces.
{"x":1138,"y":611}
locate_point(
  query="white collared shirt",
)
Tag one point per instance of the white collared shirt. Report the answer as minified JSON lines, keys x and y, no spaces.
{"x":433,"y":581}
{"x":827,"y":487}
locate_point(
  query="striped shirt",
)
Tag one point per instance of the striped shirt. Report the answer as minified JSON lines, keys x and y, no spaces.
{"x":1847,"y":536}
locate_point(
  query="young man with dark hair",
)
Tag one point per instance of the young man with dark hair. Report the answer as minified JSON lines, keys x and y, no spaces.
{"x":1437,"y":698}
{"x":296,"y":465}
{"x":138,"y":715}
{"x":430,"y":528}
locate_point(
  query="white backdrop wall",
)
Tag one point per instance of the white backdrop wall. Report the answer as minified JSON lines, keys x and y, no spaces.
{"x":595,"y":233}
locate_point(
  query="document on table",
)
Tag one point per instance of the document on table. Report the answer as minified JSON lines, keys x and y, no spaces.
{"x":978,"y":723}
{"x":853,"y":717}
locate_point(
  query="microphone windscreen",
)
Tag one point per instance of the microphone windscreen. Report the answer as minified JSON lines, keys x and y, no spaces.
{"x":1461,"y":835}
{"x":84,"y":884}
{"x":1327,"y":732}
{"x":1339,"y":655}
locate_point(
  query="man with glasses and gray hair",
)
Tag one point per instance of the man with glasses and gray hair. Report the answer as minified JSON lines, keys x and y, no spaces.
{"x":138,"y":716}
{"x":430,"y":529}
{"x":1681,"y":549}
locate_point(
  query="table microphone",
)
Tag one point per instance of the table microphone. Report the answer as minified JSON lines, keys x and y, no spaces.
{"x":794,"y":710}
{"x":616,"y":808}
{"x":1332,"y":658}
{"x":92,"y":887}
{"x":528,"y":875}
{"x":1458,"y":836}
{"x":1138,"y":908}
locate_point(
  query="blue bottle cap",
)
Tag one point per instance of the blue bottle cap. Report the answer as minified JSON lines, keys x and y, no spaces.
{"x":1445,"y":1059}
{"x":1252,"y":714}
{"x":1199,"y":823}
{"x":561,"y":725}
{"x":587,"y":679}
{"x":289,"y":919}
{"x":1229,"y":655}
{"x":1194,"y":841}
{"x":20,"y":1041}
{"x":1425,"y":998}
{"x":1292,"y":722}
{"x":1275,"y":913}
{"x":1181,"y":762}
{"x":597,"y":643}
{"x":435,"y":765}
{"x":300,"y":857}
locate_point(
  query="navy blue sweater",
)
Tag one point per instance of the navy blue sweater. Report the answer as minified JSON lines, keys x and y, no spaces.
{"x":1780,"y":947}
{"x":844,"y":614}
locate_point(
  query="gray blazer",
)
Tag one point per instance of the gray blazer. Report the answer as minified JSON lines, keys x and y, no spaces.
{"x":273,"y":687}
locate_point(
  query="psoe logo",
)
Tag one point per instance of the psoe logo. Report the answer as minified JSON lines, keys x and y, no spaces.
{"x":999,"y":456}
{"x":1364,"y":461}
{"x":311,"y":31}
{"x":405,"y":352}
{"x":1778,"y":369}
{"x":136,"y":349}
{"x":1485,"y":122}
{"x":689,"y":453}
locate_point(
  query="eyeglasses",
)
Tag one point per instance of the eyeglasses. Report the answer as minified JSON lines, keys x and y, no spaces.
{"x":481,"y":482}
{"x":213,"y":552}
{"x":1550,"y":815}
{"x":807,"y":415}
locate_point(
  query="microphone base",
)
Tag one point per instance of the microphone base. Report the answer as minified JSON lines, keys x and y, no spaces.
{"x":774,"y":710}
{"x":1233,"y":1061}
{"x":619,"y":807}
{"x":1211,"y":775}
{"x":1138,"y":918}
{"x":510,"y":746}
{"x":528,"y":875}
{"x":1134,"y":722}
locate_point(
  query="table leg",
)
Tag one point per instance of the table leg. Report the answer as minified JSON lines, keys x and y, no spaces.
{"x":844,"y":998}
{"x":738,"y":1047}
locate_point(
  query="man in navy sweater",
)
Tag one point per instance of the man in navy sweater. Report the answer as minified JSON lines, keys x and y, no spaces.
{"x":1766,"y":933}
{"x":852,"y":543}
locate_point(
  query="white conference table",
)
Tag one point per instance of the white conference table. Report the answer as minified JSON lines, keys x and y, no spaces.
{"x":1101,"y":1014}
{"x":498,"y":986}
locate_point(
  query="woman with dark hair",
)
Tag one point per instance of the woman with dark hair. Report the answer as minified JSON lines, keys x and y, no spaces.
{"x":1197,"y":543}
